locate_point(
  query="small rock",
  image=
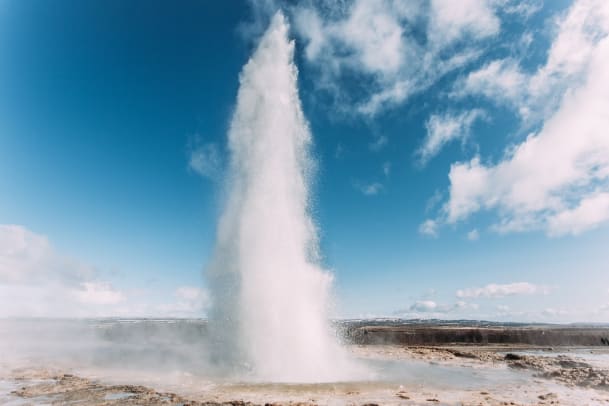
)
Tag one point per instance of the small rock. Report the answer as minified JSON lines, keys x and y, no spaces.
{"x":569,"y":363}
{"x":462,"y":354}
{"x":547,"y":396}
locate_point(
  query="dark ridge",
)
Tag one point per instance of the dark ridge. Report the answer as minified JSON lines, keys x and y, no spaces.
{"x":474,"y":332}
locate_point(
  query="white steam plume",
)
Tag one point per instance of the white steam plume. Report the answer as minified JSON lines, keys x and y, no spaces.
{"x":271,"y":298}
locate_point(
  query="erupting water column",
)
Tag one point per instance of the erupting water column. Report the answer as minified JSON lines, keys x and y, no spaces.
{"x":271,"y":297}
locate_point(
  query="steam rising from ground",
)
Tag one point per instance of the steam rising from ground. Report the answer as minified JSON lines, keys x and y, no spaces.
{"x":271,"y":298}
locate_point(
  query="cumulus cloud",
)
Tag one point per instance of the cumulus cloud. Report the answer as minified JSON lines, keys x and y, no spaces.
{"x":444,"y":128}
{"x":376,"y":40}
{"x":27,"y":257}
{"x":35,"y":280}
{"x":38,"y":281}
{"x":590,"y":212}
{"x":500,"y":80}
{"x":431,"y":309}
{"x":423,"y":306}
{"x":557,"y":179}
{"x":497,"y":291}
{"x":536,"y":95}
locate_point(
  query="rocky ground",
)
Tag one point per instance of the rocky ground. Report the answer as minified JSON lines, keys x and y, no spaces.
{"x":559,"y":380}
{"x":566,"y":369}
{"x":55,"y":388}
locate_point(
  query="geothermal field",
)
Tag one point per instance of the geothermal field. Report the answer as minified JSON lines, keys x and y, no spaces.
{"x":392,"y":362}
{"x":270,"y":335}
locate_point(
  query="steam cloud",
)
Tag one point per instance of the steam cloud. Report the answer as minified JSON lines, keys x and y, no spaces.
{"x":271,"y":298}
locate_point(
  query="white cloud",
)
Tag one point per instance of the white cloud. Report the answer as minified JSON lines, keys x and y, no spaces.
{"x":205,"y":160}
{"x":37,"y":281}
{"x":497,"y":291}
{"x":375,"y":40}
{"x":501,"y":80}
{"x":375,"y":36}
{"x":27,"y":257}
{"x":450,"y":20}
{"x":428,"y":69}
{"x":423,"y":306}
{"x":591,"y":211}
{"x":462,"y":305}
{"x":190,"y":301}
{"x":429,"y":228}
{"x":444,"y":128}
{"x":473,"y":235}
{"x":98,"y":293}
{"x":431,"y":309}
{"x":523,"y":8}
{"x":534,"y":96}
{"x":369,"y":189}
{"x":433,"y":201}
{"x":557,"y":179}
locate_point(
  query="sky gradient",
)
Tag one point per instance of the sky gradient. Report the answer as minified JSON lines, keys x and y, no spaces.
{"x":462,"y":150}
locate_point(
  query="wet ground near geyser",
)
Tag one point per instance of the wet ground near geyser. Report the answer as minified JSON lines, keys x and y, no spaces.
{"x":165,"y":362}
{"x":416,"y":375}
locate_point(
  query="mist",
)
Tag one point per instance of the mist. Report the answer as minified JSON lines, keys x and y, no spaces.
{"x":271,"y":298}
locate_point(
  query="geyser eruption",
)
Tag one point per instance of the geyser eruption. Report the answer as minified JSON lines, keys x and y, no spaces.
{"x":271,"y":297}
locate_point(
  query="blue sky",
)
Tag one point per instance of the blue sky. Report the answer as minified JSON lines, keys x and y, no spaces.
{"x":462,"y":151}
